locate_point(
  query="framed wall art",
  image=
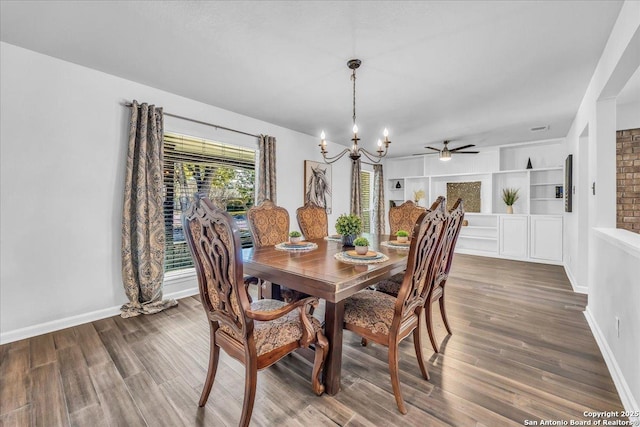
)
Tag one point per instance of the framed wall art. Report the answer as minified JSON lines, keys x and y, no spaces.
{"x":469,"y":192}
{"x":568,"y":183}
{"x":317,"y":184}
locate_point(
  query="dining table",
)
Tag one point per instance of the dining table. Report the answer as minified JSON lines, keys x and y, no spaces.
{"x":319,"y":272}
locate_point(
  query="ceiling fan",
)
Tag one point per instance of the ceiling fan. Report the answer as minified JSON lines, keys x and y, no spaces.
{"x":445,"y":153}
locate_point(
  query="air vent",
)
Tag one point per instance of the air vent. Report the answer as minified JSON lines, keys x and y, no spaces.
{"x":539,"y":128}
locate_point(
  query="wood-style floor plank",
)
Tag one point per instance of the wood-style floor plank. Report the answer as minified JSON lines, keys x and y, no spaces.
{"x":521,"y":349}
{"x":47,"y":397}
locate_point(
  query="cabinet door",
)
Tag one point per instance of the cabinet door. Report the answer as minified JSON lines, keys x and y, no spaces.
{"x":546,"y":237}
{"x":514,"y":230}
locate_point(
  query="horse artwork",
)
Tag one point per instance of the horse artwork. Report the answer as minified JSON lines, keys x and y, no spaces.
{"x":317,"y":184}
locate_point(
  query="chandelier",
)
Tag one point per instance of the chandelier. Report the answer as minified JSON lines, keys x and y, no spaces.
{"x":355,"y":152}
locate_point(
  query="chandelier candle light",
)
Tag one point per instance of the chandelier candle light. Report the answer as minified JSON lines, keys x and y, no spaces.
{"x":355,"y":152}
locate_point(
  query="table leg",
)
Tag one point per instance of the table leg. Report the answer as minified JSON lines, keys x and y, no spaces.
{"x":269,"y":290}
{"x":333,"y":323}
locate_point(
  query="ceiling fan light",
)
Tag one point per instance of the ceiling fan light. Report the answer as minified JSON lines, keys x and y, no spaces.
{"x":445,"y":156}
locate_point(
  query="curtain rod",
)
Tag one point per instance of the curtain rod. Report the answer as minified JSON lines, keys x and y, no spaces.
{"x":128,"y":104}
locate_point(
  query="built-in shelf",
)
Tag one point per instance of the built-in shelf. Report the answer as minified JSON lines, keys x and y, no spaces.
{"x":496,"y":168}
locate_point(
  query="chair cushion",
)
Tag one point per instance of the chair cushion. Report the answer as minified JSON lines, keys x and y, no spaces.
{"x":389,"y":286}
{"x":280,"y":332}
{"x":370,"y":310}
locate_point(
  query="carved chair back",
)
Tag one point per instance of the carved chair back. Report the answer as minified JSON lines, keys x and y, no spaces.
{"x":312,"y":220}
{"x":404,"y":217}
{"x":422,"y":262}
{"x":454,"y":224}
{"x":214,"y":240}
{"x":269,"y":224}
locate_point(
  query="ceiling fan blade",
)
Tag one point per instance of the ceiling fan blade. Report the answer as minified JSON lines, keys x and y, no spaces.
{"x":463,"y":147}
{"x":431,"y":148}
{"x":465,"y":152}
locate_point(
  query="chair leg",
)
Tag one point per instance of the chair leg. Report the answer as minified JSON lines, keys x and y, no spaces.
{"x":214,"y":353}
{"x":395,"y":377}
{"x":322,"y":349}
{"x":443,"y":312}
{"x":364,"y":342}
{"x":417,"y":343}
{"x":428,"y":317}
{"x":250,"y":383}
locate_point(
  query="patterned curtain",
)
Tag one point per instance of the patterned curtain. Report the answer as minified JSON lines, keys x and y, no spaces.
{"x":378,"y":200}
{"x":267,"y":169}
{"x":142,"y":218}
{"x":356,"y":209}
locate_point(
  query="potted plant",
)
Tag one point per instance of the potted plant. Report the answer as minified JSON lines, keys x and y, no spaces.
{"x":362,"y":245}
{"x":295,"y":237}
{"x":509,"y":197}
{"x":402,"y":236}
{"x":349,"y":226}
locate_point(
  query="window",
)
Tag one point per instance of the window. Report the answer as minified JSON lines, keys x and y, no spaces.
{"x":225,"y":172}
{"x":365,"y":200}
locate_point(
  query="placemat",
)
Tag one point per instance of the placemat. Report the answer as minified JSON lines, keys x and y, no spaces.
{"x":344,"y":257}
{"x":395,"y":245}
{"x":301,"y":246}
{"x":334,"y":238}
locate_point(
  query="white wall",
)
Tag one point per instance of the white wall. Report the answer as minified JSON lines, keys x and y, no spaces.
{"x":63,"y":148}
{"x":628,"y":116}
{"x":612,"y":280}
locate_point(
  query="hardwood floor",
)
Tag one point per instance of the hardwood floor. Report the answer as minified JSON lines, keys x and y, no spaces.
{"x":521,"y":350}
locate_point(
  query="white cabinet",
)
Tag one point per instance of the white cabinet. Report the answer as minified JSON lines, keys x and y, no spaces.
{"x":479,"y":236}
{"x":546,"y":237}
{"x":514,"y":230}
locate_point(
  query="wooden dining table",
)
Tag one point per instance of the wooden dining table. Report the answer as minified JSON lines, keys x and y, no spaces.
{"x":316,"y":272}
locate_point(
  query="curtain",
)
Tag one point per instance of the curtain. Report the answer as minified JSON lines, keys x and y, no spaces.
{"x":143,"y":234}
{"x":378,"y":200}
{"x":356,"y":209}
{"x":267,"y":169}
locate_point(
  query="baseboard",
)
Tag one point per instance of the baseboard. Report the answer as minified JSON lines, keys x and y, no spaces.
{"x":622,"y":387}
{"x":67,"y":322}
{"x":574,"y":282}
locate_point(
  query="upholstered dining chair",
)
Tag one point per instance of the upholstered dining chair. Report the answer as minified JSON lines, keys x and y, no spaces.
{"x":269,"y":225}
{"x":403,"y":217}
{"x":387,"y":320}
{"x":392,"y":285}
{"x":312,"y":220}
{"x":257,"y":334}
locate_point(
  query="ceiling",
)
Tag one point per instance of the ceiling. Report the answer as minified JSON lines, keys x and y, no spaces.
{"x":481,"y":72}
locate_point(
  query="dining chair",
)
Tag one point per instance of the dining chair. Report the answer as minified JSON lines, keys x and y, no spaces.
{"x":312,"y":220}
{"x":257,"y":334}
{"x":387,"y":320}
{"x":403,"y":217}
{"x":269,"y":225}
{"x":391,"y":286}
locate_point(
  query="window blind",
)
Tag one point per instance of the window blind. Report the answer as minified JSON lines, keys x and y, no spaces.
{"x":225,"y":172}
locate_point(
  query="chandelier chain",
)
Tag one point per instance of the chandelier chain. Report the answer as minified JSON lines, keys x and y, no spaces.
{"x":353,"y":77}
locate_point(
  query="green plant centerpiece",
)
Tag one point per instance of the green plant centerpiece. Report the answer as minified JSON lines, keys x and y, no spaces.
{"x":509,"y":197}
{"x":349,"y":226}
{"x":402,"y":236}
{"x":295,"y":236}
{"x":362,"y":245}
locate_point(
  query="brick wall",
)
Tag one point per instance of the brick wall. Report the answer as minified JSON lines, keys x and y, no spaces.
{"x":628,"y":179}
